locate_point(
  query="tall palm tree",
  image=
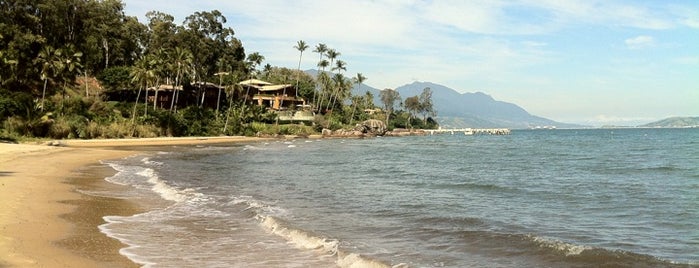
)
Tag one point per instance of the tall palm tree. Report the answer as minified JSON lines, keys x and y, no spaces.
{"x":339,"y":88}
{"x":300,"y":46}
{"x":161,"y":69}
{"x":49,"y":65}
{"x":324,"y":84}
{"x":322,"y":64}
{"x":68,"y":68}
{"x":183,"y":59}
{"x":141,"y":74}
{"x":359,"y":79}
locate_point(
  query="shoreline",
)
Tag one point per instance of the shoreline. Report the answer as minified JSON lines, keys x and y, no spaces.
{"x":46,"y":220}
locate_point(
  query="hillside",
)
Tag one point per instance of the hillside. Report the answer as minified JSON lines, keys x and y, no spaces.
{"x":675,"y":122}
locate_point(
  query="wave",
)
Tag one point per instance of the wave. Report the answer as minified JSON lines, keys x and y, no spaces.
{"x":303,"y":239}
{"x":310,"y":241}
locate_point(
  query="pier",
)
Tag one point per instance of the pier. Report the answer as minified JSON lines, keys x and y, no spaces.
{"x":471,"y":131}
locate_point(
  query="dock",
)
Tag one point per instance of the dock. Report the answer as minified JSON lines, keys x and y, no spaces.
{"x":471,"y":131}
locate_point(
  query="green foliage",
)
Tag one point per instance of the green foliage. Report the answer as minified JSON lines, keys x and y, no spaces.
{"x":45,"y":45}
{"x":115,"y":78}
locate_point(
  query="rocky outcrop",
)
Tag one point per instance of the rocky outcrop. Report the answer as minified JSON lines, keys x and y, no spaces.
{"x":368,"y":128}
{"x":372,"y":127}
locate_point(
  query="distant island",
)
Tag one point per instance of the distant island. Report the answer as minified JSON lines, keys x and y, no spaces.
{"x":675,"y":122}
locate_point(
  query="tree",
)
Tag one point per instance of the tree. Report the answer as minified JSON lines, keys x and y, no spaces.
{"x":320,"y":49}
{"x":141,"y":74}
{"x":183,"y":59}
{"x":389,"y":98}
{"x":255,"y":59}
{"x":359,"y":79}
{"x":332,"y":55}
{"x":340,"y":66}
{"x":301,"y":47}
{"x":50,"y":63}
{"x":412,"y":104}
{"x":426,"y":105}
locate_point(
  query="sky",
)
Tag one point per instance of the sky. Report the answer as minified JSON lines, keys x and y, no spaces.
{"x":606,"y":62}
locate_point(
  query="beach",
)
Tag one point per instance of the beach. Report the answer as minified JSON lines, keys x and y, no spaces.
{"x":46,"y":221}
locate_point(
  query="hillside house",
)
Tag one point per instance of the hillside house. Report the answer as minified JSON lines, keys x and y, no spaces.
{"x":275,"y":97}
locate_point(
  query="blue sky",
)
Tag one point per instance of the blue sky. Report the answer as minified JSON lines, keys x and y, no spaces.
{"x":590,"y":62}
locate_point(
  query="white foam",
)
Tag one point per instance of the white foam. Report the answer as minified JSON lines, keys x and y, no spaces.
{"x":300,"y":238}
{"x":305,"y":240}
{"x":567,"y":248}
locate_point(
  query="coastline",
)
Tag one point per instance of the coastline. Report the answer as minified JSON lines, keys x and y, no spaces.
{"x":46,"y":221}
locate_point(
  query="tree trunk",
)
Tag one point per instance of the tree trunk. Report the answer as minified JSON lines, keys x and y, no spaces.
{"x":43,"y":95}
{"x":133,"y":114}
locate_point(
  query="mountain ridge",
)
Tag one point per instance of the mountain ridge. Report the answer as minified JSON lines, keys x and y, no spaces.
{"x":675,"y":122}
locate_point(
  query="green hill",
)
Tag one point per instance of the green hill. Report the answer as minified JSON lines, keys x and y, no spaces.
{"x":679,"y":122}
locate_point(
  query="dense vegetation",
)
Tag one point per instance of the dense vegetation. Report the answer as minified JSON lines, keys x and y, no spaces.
{"x":60,"y":58}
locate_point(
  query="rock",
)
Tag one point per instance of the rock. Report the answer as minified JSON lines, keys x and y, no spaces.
{"x":54,"y":143}
{"x":326,"y":132}
{"x":371,"y":127}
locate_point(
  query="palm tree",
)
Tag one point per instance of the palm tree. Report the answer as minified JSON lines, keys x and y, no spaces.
{"x":68,"y":67}
{"x":321,"y":49}
{"x":324,"y":85}
{"x":255,"y":60}
{"x":359,"y":79}
{"x":49,"y":64}
{"x":332,"y":55}
{"x":322,"y":64}
{"x":161,"y":69}
{"x":182,"y":61}
{"x":340,"y":86}
{"x":141,"y":74}
{"x":300,"y":46}
{"x":267,"y":69}
{"x":340,"y":66}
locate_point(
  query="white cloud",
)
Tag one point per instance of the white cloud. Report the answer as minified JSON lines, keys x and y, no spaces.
{"x":641,"y":41}
{"x":691,"y":22}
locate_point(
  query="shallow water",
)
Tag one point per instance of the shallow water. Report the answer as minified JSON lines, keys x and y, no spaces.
{"x":554,"y":198}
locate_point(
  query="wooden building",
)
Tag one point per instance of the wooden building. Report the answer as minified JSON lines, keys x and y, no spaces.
{"x":275,"y":97}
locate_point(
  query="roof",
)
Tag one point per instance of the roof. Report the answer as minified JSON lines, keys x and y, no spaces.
{"x":274,"y":87}
{"x":165,"y":87}
{"x":254,"y":82}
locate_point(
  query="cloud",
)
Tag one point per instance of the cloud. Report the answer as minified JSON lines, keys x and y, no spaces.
{"x":692,"y":22}
{"x":639,"y":42}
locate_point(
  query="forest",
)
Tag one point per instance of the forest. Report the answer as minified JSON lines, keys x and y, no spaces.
{"x":83,"y":69}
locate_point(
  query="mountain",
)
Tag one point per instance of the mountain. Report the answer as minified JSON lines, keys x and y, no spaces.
{"x":462,"y":110}
{"x":477,"y":110}
{"x":677,"y":122}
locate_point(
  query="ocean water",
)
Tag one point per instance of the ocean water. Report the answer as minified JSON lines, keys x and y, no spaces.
{"x":536,"y":198}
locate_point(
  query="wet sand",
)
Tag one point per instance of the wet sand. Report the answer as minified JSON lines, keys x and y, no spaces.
{"x":46,"y":221}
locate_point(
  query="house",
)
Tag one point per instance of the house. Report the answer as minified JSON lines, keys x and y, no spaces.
{"x":275,"y":97}
{"x":203,"y":94}
{"x":162,"y":95}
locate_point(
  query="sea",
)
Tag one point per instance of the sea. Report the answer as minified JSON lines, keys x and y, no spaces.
{"x":535,"y":198}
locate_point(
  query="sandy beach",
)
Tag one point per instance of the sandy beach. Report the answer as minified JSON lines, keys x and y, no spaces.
{"x":46,"y":222}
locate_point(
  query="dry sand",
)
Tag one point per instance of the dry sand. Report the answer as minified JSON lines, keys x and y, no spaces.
{"x":45,"y":221}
